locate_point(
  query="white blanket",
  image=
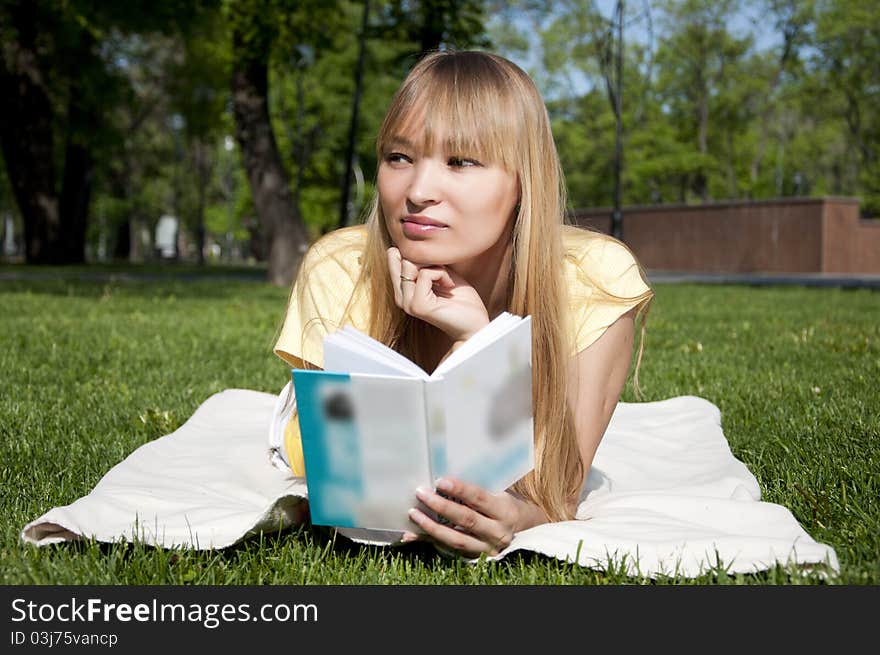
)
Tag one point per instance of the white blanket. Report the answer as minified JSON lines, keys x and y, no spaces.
{"x":664,"y":496}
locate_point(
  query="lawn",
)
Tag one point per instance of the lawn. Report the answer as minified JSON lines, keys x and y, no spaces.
{"x":93,"y":369}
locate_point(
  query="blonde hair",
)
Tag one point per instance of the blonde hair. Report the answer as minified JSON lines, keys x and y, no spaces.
{"x":486,"y":107}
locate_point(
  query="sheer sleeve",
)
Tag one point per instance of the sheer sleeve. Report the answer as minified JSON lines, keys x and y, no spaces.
{"x":320,"y":295}
{"x":605,"y":282}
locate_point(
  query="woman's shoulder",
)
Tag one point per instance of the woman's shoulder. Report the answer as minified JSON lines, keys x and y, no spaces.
{"x":340,"y":250}
{"x":604,"y":282}
{"x":352,"y":238}
{"x":600,"y":257}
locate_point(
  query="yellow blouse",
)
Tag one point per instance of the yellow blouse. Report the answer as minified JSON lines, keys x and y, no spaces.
{"x":604,"y":282}
{"x":595,"y":266}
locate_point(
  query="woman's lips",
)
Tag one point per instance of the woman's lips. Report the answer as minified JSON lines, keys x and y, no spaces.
{"x":415,"y":226}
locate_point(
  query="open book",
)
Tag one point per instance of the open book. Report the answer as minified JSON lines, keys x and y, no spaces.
{"x":375,"y":426}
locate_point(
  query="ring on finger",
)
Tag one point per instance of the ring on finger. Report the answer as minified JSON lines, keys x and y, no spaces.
{"x":403,"y":278}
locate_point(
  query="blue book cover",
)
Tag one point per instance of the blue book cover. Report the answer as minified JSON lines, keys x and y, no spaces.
{"x":374,"y":426}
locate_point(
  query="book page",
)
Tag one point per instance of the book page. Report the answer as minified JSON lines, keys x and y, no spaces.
{"x":435,"y":417}
{"x":351,"y":351}
{"x":489,"y":418}
{"x":496,"y":329}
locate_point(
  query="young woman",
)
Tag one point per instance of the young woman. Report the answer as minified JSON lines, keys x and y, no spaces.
{"x":468,"y":222}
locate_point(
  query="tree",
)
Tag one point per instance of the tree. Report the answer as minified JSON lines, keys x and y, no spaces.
{"x":134,"y":182}
{"x":345,"y":209}
{"x":313,"y":87}
{"x":254,"y":30}
{"x":432,"y":24}
{"x":199,"y":90}
{"x":59,"y":82}
{"x":259,"y":29}
{"x":29,"y":69}
{"x":791,"y":19}
{"x":848,"y":62}
{"x":581,"y":43}
{"x":695,"y":58}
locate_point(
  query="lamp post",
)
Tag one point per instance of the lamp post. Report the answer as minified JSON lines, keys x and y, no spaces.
{"x":229,"y":192}
{"x":617,"y":214}
{"x":177,"y":124}
{"x":345,"y":204}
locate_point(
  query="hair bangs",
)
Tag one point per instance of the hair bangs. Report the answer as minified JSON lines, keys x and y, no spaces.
{"x":461,"y":113}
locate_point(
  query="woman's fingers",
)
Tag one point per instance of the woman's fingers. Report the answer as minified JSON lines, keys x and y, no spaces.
{"x":424,"y":293}
{"x":437,"y":296}
{"x":461,"y":515}
{"x":471,"y":495}
{"x":484,"y":524}
{"x":456,"y":539}
{"x":409,"y":274}
{"x":415,"y":288}
{"x":394,"y":268}
{"x":408,"y":271}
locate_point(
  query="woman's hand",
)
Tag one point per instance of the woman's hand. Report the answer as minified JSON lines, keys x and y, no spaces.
{"x":480,"y":522}
{"x":437,"y":295}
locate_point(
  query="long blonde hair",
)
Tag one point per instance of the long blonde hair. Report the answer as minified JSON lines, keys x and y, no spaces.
{"x":488,"y":108}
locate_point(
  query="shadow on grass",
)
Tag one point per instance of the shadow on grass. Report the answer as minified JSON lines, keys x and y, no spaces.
{"x":316,"y":555}
{"x":168,"y":269}
{"x":219,"y":288}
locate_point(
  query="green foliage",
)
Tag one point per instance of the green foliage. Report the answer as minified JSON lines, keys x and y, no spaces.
{"x":708,"y":110}
{"x":848,"y":66}
{"x":311,"y":108}
{"x":312,"y":85}
{"x":141,"y":180}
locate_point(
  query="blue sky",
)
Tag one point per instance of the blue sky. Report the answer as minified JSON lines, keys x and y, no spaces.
{"x":747,"y":20}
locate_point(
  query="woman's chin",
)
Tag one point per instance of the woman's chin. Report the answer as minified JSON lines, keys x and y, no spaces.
{"x":421,"y":256}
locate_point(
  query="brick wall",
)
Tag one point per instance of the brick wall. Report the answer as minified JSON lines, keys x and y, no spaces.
{"x":792,"y":235}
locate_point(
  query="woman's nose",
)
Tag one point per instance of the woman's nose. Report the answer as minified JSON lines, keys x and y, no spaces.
{"x":424,"y":187}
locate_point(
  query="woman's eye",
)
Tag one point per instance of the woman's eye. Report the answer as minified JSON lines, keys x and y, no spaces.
{"x":462,"y":162}
{"x":397,"y":158}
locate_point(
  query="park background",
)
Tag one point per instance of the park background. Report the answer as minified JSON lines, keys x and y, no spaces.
{"x":250,"y":123}
{"x":238,"y":131}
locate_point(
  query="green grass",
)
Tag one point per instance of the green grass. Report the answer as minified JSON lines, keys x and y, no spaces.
{"x":92,"y":370}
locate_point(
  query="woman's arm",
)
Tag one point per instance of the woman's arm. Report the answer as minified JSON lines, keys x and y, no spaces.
{"x":487,"y":522}
{"x":596,"y":381}
{"x":484,"y":522}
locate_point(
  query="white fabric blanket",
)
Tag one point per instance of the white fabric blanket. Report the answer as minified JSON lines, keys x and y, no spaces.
{"x":665,"y":494}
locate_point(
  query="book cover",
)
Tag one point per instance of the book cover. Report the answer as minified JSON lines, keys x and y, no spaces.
{"x":375,"y":426}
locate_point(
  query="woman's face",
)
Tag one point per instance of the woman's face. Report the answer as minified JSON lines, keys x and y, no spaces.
{"x":443,"y":208}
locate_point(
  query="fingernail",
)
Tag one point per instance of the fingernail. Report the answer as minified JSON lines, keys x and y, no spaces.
{"x":443,"y":484}
{"x":408,"y":537}
{"x":422,"y":492}
{"x":414,"y":514}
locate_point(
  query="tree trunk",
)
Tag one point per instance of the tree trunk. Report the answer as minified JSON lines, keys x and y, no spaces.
{"x":122,"y":245}
{"x":789,"y":33}
{"x":345,"y":205}
{"x":76,"y":194}
{"x":201,"y":156}
{"x":279,"y":217}
{"x":83,"y":123}
{"x":55,"y":226}
{"x":433,"y":25}
{"x":701,"y":182}
{"x":27,"y":140}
